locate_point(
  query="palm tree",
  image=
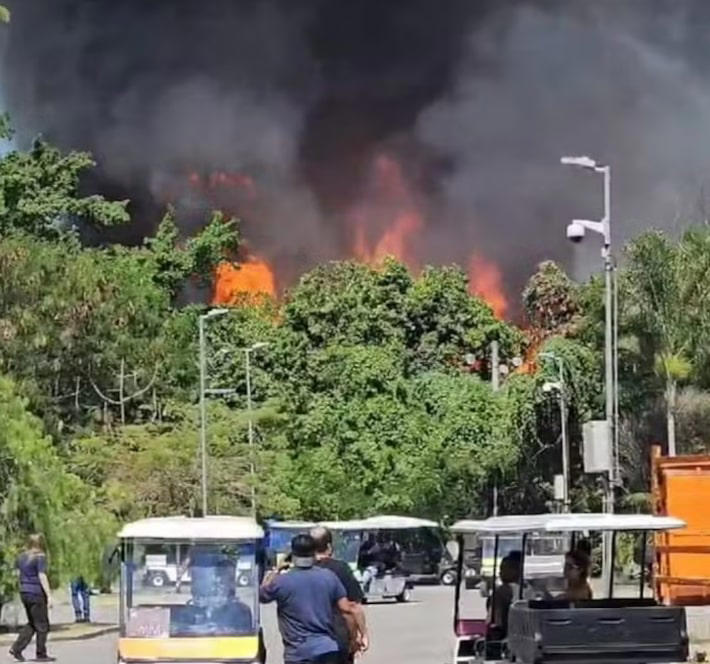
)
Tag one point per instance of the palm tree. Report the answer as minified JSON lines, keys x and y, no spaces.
{"x":668,"y":303}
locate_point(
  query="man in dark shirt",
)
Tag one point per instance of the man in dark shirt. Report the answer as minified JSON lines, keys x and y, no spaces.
{"x":351,"y":631}
{"x":307,"y":598}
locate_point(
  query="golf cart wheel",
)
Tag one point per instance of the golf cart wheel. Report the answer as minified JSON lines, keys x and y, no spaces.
{"x":448,"y":578}
{"x":404,"y":596}
{"x":157,"y":580}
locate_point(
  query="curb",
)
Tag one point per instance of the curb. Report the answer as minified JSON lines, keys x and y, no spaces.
{"x":102,"y":631}
{"x":58,"y":636}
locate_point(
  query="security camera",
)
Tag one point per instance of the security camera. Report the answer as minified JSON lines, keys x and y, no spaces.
{"x":575,"y":232}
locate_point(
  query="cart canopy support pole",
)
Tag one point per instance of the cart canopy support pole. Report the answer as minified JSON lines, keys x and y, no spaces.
{"x":642,"y":575}
{"x":459,"y":581}
{"x":612,"y":560}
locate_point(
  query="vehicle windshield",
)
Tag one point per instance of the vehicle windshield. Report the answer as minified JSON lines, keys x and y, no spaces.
{"x":280,"y":538}
{"x":183,"y":588}
{"x":544,"y":554}
{"x":346,"y":545}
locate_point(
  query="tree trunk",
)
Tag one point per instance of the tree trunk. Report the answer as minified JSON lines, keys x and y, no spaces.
{"x":670,"y":414}
{"x":121,"y":380}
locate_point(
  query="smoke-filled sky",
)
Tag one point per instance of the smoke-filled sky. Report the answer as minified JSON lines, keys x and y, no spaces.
{"x":297,"y":100}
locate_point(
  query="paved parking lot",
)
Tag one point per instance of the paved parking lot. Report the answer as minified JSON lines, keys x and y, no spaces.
{"x":414,"y":633}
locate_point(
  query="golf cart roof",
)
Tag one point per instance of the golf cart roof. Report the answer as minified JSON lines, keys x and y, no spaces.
{"x":614,"y":522}
{"x":499,"y":525}
{"x":531,"y":523}
{"x":193,"y":528}
{"x":290,"y":525}
{"x":352,"y":524}
{"x":380,"y":522}
{"x":391,"y":522}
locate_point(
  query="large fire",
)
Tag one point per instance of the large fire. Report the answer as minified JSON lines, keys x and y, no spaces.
{"x":253,"y":276}
{"x":485,"y":280}
{"x":386,"y":224}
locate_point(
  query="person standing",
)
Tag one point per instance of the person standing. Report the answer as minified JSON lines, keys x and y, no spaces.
{"x":307,"y":598}
{"x":576,"y":572}
{"x":80,"y":599}
{"x":36,"y":598}
{"x":351,"y":629}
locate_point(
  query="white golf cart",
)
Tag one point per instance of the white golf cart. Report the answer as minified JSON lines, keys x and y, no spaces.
{"x":218,"y":620}
{"x":541,"y":631}
{"x":350,"y":536}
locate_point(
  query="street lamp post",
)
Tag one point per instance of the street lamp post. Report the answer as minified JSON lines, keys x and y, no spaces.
{"x":575,"y":232}
{"x":252,"y":456}
{"x":560,"y":385}
{"x":212,"y":313}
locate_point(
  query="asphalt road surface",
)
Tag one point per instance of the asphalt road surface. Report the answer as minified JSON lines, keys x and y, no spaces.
{"x":415,"y":633}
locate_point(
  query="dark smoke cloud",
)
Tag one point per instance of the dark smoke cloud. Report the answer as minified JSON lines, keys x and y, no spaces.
{"x":476,"y":100}
{"x":624,"y":82}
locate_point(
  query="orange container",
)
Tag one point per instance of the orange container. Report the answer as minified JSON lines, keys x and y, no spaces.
{"x":681,"y":488}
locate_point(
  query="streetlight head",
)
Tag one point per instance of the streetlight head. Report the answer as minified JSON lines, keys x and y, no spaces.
{"x":582,"y":162}
{"x":258,"y":345}
{"x":212,"y":313}
{"x":549,"y":387}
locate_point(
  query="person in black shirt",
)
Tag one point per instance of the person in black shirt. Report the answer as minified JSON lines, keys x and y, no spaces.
{"x":351,"y":632}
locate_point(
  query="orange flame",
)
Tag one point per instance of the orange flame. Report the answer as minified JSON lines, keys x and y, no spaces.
{"x":253,"y":276}
{"x":485,"y":280}
{"x":529,"y":364}
{"x":392,"y":209}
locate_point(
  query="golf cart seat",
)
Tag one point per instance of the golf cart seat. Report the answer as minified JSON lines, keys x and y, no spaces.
{"x":474,"y":641}
{"x":470,"y":627}
{"x":611,"y":631}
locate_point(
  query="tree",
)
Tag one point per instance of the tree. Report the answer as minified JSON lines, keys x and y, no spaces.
{"x":69,"y":317}
{"x":37,"y":494}
{"x":174,"y":261}
{"x":433,"y":317}
{"x":666,"y":290}
{"x":4,"y":14}
{"x":533,"y":424}
{"x":39,"y":193}
{"x":551,"y":300}
{"x":153,"y":469}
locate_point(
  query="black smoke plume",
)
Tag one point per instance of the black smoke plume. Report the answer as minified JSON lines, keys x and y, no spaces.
{"x":476,"y":100}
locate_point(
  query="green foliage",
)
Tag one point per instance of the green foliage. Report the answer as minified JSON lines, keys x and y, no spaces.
{"x":666,"y":290}
{"x":551,"y":300}
{"x":349,"y":303}
{"x":39,"y":193}
{"x":433,"y":318}
{"x":6,"y":131}
{"x":666,"y":287}
{"x":37,"y":494}
{"x":69,"y":317}
{"x":422,"y":446}
{"x":4,"y":14}
{"x":173,"y":264}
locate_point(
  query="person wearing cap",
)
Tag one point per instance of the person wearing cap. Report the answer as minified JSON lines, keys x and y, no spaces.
{"x":351,"y":631}
{"x":307,"y":598}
